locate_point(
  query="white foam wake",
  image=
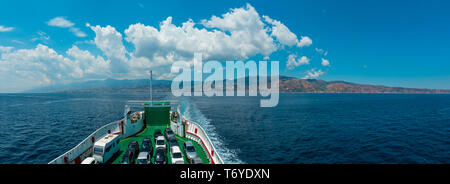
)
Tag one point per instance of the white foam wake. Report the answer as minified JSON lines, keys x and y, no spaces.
{"x":191,"y":112}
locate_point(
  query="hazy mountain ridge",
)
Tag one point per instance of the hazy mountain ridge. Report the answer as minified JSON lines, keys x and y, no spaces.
{"x":287,"y":84}
{"x":320,"y":86}
{"x":104,"y":85}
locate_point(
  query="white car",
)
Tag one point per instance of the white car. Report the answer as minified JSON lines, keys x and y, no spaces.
{"x":143,"y":158}
{"x":177,"y":156}
{"x":160,"y":142}
{"x":89,"y":160}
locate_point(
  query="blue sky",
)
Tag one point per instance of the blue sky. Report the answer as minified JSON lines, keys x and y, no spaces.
{"x":396,"y":43}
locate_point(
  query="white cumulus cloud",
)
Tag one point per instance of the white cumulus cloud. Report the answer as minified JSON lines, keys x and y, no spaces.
{"x":28,"y":68}
{"x":321,"y":51}
{"x":305,"y":41}
{"x":6,"y":29}
{"x":325,"y":62}
{"x":62,"y":22}
{"x":92,"y":67}
{"x":313,"y":74}
{"x":282,"y":33}
{"x":238,"y":34}
{"x":293,"y":62}
{"x":5,"y":49}
{"x":110,"y":42}
{"x":77,"y":32}
{"x":248,"y":35}
{"x":39,"y":66}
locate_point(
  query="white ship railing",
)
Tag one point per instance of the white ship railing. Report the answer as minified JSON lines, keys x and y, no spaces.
{"x":85,"y":146}
{"x":195,"y":132}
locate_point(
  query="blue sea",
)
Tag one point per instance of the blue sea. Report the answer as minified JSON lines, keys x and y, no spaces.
{"x":303,"y":128}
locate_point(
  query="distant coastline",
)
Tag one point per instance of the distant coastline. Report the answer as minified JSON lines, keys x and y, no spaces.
{"x":287,"y":85}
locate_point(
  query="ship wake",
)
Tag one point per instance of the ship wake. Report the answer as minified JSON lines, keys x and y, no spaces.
{"x":191,"y":112}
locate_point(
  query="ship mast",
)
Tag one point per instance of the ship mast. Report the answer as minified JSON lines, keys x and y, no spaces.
{"x":151,"y":93}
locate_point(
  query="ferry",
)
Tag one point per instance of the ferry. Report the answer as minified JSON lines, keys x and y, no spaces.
{"x":156,"y":133}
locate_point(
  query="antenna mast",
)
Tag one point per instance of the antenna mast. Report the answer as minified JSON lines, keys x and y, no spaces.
{"x":151,"y":93}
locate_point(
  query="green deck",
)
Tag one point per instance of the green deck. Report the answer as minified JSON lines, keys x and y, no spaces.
{"x":148,"y":133}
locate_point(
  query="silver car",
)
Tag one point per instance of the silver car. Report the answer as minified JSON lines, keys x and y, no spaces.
{"x":197,"y":161}
{"x":143,"y":158}
{"x":179,"y":162}
{"x":189,"y":149}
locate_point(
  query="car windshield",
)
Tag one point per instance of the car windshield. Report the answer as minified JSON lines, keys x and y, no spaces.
{"x":177,"y":155}
{"x":125,"y":158}
{"x":160,"y":142}
{"x":197,"y":161}
{"x":142,"y":161}
{"x":132,"y":145}
{"x":145,"y":147}
{"x":190,"y":149}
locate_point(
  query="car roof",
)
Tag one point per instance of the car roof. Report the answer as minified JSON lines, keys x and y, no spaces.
{"x":88,"y":160}
{"x":162,"y":150}
{"x":198,"y":160}
{"x":176,"y":149}
{"x":142,"y":155}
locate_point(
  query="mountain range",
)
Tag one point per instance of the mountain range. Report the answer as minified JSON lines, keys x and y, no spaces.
{"x":287,"y":84}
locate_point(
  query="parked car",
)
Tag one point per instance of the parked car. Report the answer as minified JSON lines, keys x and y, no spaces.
{"x":169,"y":133}
{"x":189,"y":149}
{"x":134,"y":147}
{"x":157,"y":133}
{"x":89,"y":160}
{"x":160,"y":156}
{"x":160,"y":142}
{"x":146,"y":153}
{"x":179,"y":162}
{"x":176,"y":155}
{"x":173,"y":142}
{"x":196,"y":160}
{"x":147,"y":146}
{"x":127,"y":158}
{"x":143,"y":158}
